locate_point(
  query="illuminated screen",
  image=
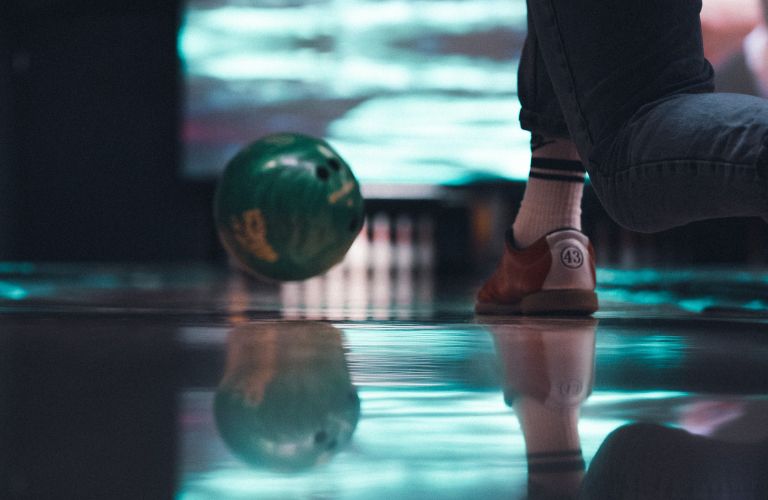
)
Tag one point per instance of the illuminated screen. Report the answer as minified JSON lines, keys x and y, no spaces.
{"x":408,"y":91}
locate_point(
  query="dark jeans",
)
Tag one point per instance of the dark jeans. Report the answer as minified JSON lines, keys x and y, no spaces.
{"x":627,"y":81}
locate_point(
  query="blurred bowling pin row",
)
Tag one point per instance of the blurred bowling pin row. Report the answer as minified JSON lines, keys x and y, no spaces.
{"x":387,"y":274}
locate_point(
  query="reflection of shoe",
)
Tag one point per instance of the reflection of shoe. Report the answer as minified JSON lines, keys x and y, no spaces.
{"x":556,"y":274}
{"x":548,"y":360}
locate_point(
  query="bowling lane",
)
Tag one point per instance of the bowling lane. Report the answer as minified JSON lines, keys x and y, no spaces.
{"x":194,"y":382}
{"x":433,"y":421}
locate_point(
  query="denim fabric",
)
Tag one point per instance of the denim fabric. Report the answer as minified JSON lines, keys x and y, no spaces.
{"x":629,"y":80}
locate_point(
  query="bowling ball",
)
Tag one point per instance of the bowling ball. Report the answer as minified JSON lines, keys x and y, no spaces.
{"x":286,"y":401}
{"x":288,"y":207}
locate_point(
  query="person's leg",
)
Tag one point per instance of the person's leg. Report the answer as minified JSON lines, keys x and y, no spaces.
{"x":552,"y":198}
{"x":548,"y":372}
{"x":632,"y":81}
{"x":548,"y":264}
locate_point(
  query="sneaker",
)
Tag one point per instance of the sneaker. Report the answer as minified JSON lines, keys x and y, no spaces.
{"x":556,"y":274}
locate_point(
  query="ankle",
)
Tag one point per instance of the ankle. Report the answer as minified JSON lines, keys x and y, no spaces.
{"x":552,"y":197}
{"x":556,"y":149}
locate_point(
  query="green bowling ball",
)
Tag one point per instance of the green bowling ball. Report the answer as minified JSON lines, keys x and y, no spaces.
{"x":288,"y":207}
{"x":286,"y":401}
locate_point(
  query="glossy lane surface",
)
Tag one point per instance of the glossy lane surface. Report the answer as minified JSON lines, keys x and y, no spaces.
{"x":197,"y":383}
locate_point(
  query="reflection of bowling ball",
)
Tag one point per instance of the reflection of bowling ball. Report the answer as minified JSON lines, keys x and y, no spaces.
{"x":288,"y":207}
{"x":286,"y":400}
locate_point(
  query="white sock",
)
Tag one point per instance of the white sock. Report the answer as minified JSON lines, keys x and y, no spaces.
{"x":552,"y":200}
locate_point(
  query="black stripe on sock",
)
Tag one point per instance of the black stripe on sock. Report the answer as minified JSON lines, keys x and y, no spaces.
{"x":553,"y":177}
{"x":555,"y":454}
{"x":562,"y":165}
{"x":555,"y":467}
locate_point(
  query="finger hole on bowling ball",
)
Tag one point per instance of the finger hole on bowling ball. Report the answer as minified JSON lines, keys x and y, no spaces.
{"x":335,"y":164}
{"x":353,"y":224}
{"x":320,"y":437}
{"x":322,"y":173}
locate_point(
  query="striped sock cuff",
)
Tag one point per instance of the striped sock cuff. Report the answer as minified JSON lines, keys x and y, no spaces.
{"x":557,"y":170}
{"x":557,"y":467}
{"x":555,"y":462}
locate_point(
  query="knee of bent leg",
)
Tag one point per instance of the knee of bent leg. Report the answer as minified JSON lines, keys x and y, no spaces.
{"x":629,"y":209}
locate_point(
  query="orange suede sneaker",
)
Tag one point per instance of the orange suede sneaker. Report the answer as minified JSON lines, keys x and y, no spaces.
{"x":556,"y":274}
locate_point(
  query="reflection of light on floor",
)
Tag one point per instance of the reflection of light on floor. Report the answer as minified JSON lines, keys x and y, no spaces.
{"x":410,"y":444}
{"x":387,"y":274}
{"x":12,"y":292}
{"x":616,"y":397}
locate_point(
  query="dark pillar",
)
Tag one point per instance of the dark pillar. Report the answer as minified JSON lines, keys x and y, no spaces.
{"x":97,"y":99}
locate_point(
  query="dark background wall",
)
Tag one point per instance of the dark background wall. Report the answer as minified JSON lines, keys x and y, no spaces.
{"x":6,"y":182}
{"x":90,"y":95}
